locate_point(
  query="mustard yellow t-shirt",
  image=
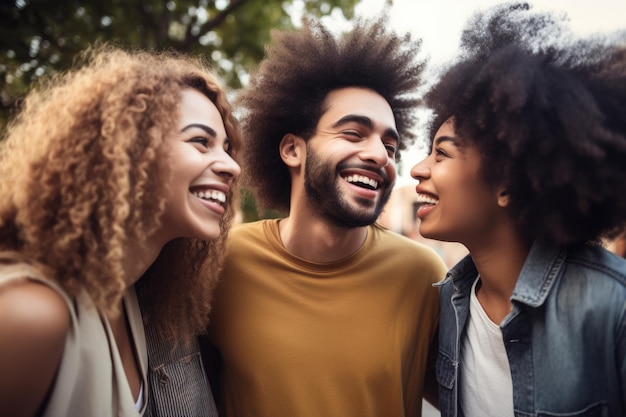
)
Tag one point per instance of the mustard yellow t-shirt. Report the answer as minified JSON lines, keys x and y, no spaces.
{"x":340,"y":339}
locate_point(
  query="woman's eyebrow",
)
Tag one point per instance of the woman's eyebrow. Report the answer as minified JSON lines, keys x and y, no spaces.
{"x":452,"y":139}
{"x":206,"y":128}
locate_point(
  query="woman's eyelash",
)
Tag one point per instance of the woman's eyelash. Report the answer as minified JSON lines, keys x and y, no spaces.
{"x":200,"y":140}
{"x":439,"y":151}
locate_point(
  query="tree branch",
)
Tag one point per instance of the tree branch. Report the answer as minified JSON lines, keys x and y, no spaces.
{"x":209,"y":25}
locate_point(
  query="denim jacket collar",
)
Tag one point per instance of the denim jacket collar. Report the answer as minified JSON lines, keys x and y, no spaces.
{"x":462,"y":275}
{"x":542,"y":265}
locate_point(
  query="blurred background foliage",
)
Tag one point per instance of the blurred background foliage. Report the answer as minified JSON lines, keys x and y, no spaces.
{"x":41,"y":37}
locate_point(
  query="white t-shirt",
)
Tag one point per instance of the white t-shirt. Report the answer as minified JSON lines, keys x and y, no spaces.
{"x":486,"y":386}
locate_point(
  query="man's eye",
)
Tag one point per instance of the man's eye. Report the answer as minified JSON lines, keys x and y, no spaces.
{"x":352,"y":133}
{"x":391,"y":149}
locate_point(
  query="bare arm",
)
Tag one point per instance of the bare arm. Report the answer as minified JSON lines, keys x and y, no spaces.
{"x":34,"y":321}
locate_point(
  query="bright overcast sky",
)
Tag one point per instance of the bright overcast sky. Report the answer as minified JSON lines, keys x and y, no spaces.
{"x":439,"y":22}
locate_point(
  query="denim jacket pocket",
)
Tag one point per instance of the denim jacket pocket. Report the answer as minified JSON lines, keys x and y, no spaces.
{"x":446,"y":376}
{"x":445,"y":371}
{"x":600,"y":409}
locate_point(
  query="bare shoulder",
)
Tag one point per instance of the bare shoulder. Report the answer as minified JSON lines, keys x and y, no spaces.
{"x":34,"y":321}
{"x":33,"y":310}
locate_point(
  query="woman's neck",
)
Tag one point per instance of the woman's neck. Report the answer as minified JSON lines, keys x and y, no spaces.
{"x":499,"y":264}
{"x":138,"y":258}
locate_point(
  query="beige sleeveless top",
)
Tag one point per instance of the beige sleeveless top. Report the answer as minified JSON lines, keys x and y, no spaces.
{"x":91,"y":380}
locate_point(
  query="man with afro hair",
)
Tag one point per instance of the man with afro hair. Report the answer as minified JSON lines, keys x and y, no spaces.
{"x":527,"y":170}
{"x":323,"y":312}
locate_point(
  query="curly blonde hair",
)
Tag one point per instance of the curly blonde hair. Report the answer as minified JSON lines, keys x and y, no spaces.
{"x":82,"y":175}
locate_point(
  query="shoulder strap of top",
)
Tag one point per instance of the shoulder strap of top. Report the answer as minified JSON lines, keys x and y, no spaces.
{"x":13,"y":268}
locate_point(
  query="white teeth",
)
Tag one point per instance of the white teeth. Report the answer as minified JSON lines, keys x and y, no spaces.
{"x":211,"y":195}
{"x":424,"y":199}
{"x":363,"y":180}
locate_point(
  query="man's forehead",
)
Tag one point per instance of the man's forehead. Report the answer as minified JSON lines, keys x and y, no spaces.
{"x":358,"y":101}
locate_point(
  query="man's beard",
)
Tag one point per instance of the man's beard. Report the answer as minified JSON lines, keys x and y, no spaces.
{"x":325,"y":196}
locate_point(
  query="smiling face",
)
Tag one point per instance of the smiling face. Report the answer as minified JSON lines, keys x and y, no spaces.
{"x":350,"y":164}
{"x":456,"y":204}
{"x":201,"y":171}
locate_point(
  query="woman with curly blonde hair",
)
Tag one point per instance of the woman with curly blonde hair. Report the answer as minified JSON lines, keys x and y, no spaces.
{"x":116,"y":178}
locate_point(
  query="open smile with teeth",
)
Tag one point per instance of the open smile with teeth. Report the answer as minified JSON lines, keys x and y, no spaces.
{"x":423,"y":199}
{"x":362,"y":181}
{"x":211,"y":195}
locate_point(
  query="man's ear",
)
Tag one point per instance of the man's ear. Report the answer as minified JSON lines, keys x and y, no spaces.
{"x":503,"y":197}
{"x":292,"y":150}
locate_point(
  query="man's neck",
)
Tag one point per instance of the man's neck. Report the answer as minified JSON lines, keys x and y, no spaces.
{"x":318,"y":240}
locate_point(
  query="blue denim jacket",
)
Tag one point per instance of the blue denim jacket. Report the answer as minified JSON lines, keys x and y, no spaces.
{"x":565,"y":336}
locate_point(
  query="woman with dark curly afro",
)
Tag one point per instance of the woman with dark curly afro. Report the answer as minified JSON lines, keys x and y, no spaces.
{"x":527,"y":170}
{"x":115,"y":176}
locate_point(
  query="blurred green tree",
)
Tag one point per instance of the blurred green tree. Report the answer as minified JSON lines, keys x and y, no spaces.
{"x":39,"y":37}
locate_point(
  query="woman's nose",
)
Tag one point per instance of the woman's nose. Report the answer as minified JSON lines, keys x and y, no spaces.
{"x":421,"y":170}
{"x":227,"y":166}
